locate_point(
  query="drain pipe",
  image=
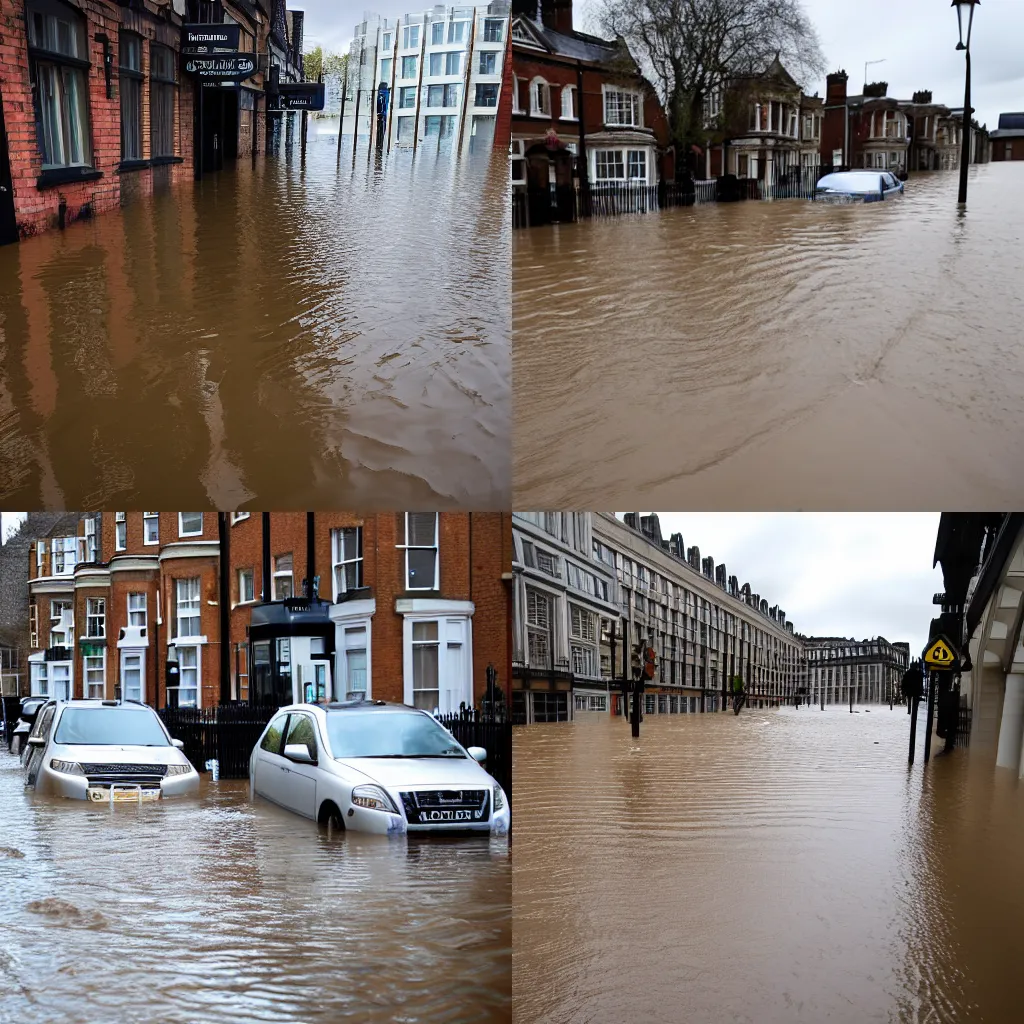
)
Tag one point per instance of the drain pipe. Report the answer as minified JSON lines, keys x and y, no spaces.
{"x":310,"y":555}
{"x":265,"y":591}
{"x":224,"y":597}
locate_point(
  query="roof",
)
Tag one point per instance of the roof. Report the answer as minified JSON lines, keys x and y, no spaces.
{"x":1011,"y":122}
{"x":578,"y":45}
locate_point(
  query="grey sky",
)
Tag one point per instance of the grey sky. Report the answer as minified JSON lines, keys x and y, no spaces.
{"x":918,"y":40}
{"x":835,"y":574}
{"x":329,"y":23}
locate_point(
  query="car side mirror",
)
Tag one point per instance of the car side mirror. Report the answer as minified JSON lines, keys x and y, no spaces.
{"x":477,"y":753}
{"x":298,"y":752}
{"x":180,"y":744}
{"x":36,"y":741}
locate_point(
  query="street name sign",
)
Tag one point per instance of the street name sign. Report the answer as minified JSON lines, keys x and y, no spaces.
{"x":299,"y":96}
{"x":227,"y":66}
{"x":224,"y":36}
{"x":940,"y":654}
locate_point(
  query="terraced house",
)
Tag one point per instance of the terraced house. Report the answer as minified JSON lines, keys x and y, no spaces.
{"x":99,"y":101}
{"x":192,"y":609}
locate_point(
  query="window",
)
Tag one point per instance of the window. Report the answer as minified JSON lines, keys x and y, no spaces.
{"x":186,"y":693}
{"x":435,"y":96}
{"x":95,"y":677}
{"x":385,"y":70}
{"x":347,"y":559}
{"x":518,"y":162}
{"x":90,"y":540}
{"x":151,"y":527}
{"x":494,"y":30}
{"x":246,"y":589}
{"x":283,"y":583}
{"x":568,"y":103}
{"x":59,"y":68}
{"x":40,"y":684}
{"x":131,"y":677}
{"x":409,"y":67}
{"x":137,"y":609}
{"x":95,"y":617}
{"x":621,"y":107}
{"x":609,"y":165}
{"x":410,"y":37}
{"x":538,"y":628}
{"x":130,"y":84}
{"x":62,"y":623}
{"x":425,"y":688}
{"x":488,"y":63}
{"x":272,"y":737}
{"x":190,"y":524}
{"x":458,"y":31}
{"x":437,"y":33}
{"x":419,"y":538}
{"x":63,"y":556}
{"x":436,"y":64}
{"x":33,"y":626}
{"x":40,"y":553}
{"x":385,"y":41}
{"x":120,"y":531}
{"x":637,"y":164}
{"x":453,"y":63}
{"x":404,"y":128}
{"x":550,"y":707}
{"x":486,"y":95}
{"x":238,"y":517}
{"x":439,"y":125}
{"x":302,"y":732}
{"x":407,"y":97}
{"x":187,"y":595}
{"x":540,"y":97}
{"x":354,"y":662}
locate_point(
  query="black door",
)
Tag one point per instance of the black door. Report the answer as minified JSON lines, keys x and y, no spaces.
{"x":8,"y":224}
{"x":219,"y":128}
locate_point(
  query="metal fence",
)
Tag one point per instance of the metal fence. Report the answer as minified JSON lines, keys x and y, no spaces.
{"x":963,"y":728}
{"x":228,"y":732}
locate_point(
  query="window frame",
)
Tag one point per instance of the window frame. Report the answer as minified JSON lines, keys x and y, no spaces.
{"x":282,"y":574}
{"x":147,"y":519}
{"x":144,"y":610}
{"x":120,"y":531}
{"x":96,"y":619}
{"x":181,"y":525}
{"x":407,"y":548}
{"x":338,"y":547}
{"x":186,"y":604}
{"x":136,"y":76}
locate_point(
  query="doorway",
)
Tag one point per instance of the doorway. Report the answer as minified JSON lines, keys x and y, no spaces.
{"x":217,"y":127}
{"x":8,"y":222}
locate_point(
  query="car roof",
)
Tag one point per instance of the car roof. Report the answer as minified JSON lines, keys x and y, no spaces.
{"x":361,"y":707}
{"x":851,"y":179}
{"x":95,"y":702}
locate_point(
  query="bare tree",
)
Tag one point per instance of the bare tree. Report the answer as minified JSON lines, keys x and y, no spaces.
{"x":690,"y":46}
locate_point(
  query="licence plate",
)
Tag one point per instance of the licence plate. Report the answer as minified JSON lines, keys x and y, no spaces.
{"x":101,"y":795}
{"x":446,"y":815}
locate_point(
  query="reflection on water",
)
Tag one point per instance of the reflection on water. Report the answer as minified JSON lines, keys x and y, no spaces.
{"x":321,"y":330}
{"x":772,"y":867}
{"x":778,"y":355}
{"x":222,"y":911}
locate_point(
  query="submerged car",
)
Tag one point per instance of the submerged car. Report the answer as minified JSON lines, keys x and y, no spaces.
{"x":858,"y":187}
{"x":23,"y":726}
{"x":108,"y":751}
{"x":371,"y":766}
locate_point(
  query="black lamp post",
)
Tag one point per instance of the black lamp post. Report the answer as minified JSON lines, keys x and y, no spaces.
{"x":965,"y":17}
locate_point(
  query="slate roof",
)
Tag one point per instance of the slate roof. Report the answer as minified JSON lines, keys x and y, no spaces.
{"x":579,"y":45}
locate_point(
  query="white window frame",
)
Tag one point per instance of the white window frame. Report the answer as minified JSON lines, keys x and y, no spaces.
{"x":190,"y":603}
{"x":90,"y":539}
{"x":517,"y":155}
{"x":39,"y":682}
{"x":238,"y":517}
{"x":198,"y":648}
{"x":635,"y":100}
{"x":182,"y":532}
{"x":516,"y":108}
{"x":40,"y":556}
{"x":135,"y":611}
{"x":411,"y":36}
{"x":249,"y":573}
{"x":340,"y":558}
{"x":282,"y":574}
{"x":568,"y":92}
{"x":454,"y":629}
{"x":64,"y":666}
{"x":63,"y":552}
{"x":87,"y":683}
{"x":539,"y":87}
{"x":120,"y":531}
{"x":148,"y":519}
{"x":435,"y":547}
{"x":92,"y":615}
{"x":133,"y":652}
{"x":342,"y":656}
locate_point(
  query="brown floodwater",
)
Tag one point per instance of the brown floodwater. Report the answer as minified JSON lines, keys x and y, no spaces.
{"x":773,"y":867}
{"x":776,"y":355}
{"x":306,"y":333}
{"x":217,"y":910}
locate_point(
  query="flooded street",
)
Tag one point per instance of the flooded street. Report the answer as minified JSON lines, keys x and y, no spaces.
{"x":334,"y":331}
{"x":772,"y":867}
{"x":776,"y":355}
{"x":217,"y":910}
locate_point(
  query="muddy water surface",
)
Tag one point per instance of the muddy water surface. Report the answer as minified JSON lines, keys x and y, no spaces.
{"x":773,"y":867}
{"x":305,"y":333}
{"x":779,"y":355}
{"x":218,"y":910}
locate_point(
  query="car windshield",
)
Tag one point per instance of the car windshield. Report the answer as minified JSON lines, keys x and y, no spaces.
{"x":390,"y":734}
{"x":110,"y":727}
{"x":850,"y":181}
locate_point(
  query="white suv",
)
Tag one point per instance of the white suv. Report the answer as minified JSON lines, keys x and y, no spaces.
{"x":375,"y":767}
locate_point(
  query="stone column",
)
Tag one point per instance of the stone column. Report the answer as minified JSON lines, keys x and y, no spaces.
{"x":1011,"y":725}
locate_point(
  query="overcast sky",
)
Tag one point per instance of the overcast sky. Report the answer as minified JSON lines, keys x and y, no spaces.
{"x":834,"y":574}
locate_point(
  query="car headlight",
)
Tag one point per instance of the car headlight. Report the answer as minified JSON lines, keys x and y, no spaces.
{"x":67,"y":767}
{"x":374,"y":798}
{"x":178,"y":769}
{"x":499,"y":798}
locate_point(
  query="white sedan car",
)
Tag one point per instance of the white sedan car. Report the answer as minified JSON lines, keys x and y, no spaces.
{"x":375,"y":767}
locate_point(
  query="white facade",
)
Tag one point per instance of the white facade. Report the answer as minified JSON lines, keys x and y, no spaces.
{"x":443,"y":73}
{"x":868,"y":670}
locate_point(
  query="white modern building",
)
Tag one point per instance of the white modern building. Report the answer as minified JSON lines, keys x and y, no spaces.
{"x":432,"y":79}
{"x":869,"y":671}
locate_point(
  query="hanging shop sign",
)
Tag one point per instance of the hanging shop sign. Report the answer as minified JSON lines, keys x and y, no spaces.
{"x":299,"y":96}
{"x":226,"y":66}
{"x":223,"y":36}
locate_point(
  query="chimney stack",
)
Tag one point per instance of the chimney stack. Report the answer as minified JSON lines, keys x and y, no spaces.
{"x":557,"y":15}
{"x":835,"y":92}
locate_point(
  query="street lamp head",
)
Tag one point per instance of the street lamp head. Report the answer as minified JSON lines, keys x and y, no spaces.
{"x":965,"y":19}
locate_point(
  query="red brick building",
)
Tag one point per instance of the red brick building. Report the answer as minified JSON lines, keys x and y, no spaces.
{"x":413,"y":607}
{"x":573,"y":92}
{"x":97,"y":104}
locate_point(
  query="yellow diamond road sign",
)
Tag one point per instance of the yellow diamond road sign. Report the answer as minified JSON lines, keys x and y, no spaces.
{"x":939,"y":655}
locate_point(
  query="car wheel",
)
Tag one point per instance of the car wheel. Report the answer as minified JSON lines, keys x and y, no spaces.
{"x":330,"y":817}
